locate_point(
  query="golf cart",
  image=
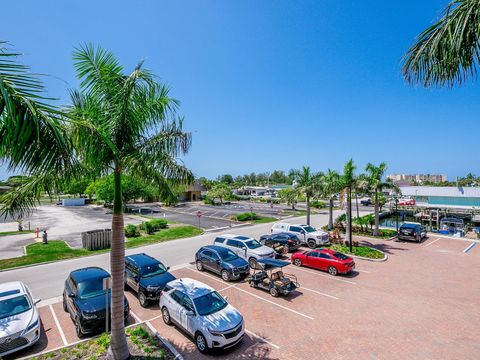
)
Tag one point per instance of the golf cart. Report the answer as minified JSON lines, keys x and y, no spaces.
{"x":268,"y":275}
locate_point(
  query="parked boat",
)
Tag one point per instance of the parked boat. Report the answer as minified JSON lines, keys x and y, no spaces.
{"x":452,"y":226}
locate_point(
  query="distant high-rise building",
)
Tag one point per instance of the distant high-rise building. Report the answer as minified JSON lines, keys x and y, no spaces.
{"x":420,"y":178}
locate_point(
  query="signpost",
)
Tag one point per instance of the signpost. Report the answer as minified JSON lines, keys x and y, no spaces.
{"x":199,"y":215}
{"x":251,"y":212}
{"x":106,"y":285}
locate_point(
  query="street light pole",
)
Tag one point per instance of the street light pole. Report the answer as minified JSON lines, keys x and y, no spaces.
{"x":350,"y":217}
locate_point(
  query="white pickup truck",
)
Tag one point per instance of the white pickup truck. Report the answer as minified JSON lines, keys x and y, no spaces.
{"x":307,"y":234}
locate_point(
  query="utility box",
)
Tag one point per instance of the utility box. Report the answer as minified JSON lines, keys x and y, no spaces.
{"x":97,"y":239}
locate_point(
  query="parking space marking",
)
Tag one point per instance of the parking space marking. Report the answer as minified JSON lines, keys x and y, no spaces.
{"x":202,"y":273}
{"x":57,"y":323}
{"x":226,"y":288}
{"x":319,"y":293}
{"x":274,"y":303}
{"x":326,"y":276}
{"x":469,"y":247}
{"x":363,"y":271}
{"x":430,"y":243}
{"x":262,"y":339}
{"x":137,"y":319}
{"x":258,"y":297}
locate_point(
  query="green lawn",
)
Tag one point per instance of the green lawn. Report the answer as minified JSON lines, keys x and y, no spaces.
{"x":253,"y":217}
{"x":59,"y":250}
{"x":6,"y":233}
{"x":294,"y":212}
{"x":264,"y":219}
{"x":363,"y":251}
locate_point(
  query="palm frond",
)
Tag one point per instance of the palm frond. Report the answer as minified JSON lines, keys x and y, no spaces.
{"x":446,"y":53}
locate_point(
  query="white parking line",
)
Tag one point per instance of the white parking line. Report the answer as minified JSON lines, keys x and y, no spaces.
{"x":60,"y":330}
{"x":362,"y":271}
{"x":137,"y":319}
{"x":258,"y":297}
{"x":226,"y":288}
{"x":430,"y":243}
{"x":469,"y":247}
{"x":319,"y":293}
{"x":326,"y":276}
{"x":274,"y":303}
{"x":262,"y":339}
{"x":202,"y":273}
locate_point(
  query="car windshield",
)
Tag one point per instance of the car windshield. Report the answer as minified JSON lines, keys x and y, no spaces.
{"x":210,"y":303}
{"x":90,"y":288}
{"x":309,"y":229}
{"x":228,"y":256}
{"x":340,"y":256}
{"x":253,"y":244}
{"x":153,"y":269}
{"x":14,"y":306}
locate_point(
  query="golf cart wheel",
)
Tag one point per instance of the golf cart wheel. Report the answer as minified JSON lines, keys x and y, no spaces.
{"x":252,"y":262}
{"x":274,"y":292}
{"x":312,"y":244}
{"x":199,"y":265}
{"x":297,"y":262}
{"x":225,"y":275}
{"x":332,"y":270}
{"x":142,"y":299}
{"x":166,"y":316}
{"x":201,"y":343}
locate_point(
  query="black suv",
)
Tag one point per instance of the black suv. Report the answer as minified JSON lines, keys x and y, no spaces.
{"x":221,"y":261}
{"x":412,"y":231}
{"x":147,"y":276}
{"x":84,"y":299}
{"x":282,"y":243}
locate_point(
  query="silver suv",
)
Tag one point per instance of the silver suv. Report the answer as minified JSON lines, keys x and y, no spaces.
{"x":245,"y":247}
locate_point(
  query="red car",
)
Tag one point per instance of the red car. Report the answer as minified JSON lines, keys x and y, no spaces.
{"x":406,"y":202}
{"x":324,"y":259}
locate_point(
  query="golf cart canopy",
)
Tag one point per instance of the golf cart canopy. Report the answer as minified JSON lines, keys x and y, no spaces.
{"x":268,"y":264}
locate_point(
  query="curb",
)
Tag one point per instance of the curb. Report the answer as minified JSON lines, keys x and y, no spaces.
{"x":165,"y":342}
{"x":385,"y":256}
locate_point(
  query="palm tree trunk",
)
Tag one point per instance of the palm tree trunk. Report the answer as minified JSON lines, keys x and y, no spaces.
{"x":308,"y":210}
{"x":330,"y":214}
{"x":348,"y":234}
{"x":118,"y":349}
{"x":377,"y":220}
{"x":356,"y":200}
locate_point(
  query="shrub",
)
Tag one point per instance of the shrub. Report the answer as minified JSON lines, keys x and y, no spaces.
{"x":388,"y":233}
{"x":149,"y":228}
{"x":131,"y":231}
{"x":317,"y":204}
{"x":247,"y":216}
{"x":159,"y":224}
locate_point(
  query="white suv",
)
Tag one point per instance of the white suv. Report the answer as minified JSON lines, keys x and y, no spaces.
{"x":245,"y":247}
{"x":19,"y":320}
{"x":307,"y":234}
{"x":203,"y":313}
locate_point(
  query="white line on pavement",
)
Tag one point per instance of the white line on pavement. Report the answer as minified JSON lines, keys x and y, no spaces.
{"x":319,"y":293}
{"x":226,"y":288}
{"x":326,"y":276}
{"x":430,"y":243}
{"x":202,"y":273}
{"x":62,"y":335}
{"x":469,"y":247}
{"x":362,"y":271}
{"x":262,"y":339}
{"x":274,"y":303}
{"x":137,"y":319}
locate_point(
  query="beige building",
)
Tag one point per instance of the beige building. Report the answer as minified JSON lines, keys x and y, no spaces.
{"x":417,"y":178}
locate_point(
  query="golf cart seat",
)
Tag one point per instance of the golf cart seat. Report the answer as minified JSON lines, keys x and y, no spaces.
{"x":266,"y":281}
{"x":260,"y":276}
{"x":279,"y":279}
{"x":278,"y":247}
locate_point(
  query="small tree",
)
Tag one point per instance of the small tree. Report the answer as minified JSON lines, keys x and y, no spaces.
{"x":290,"y":196}
{"x":220,"y":191}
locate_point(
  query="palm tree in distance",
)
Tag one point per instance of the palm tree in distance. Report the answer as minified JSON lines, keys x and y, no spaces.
{"x":348,"y":183}
{"x":447,"y":52}
{"x":308,"y":183}
{"x":330,"y":185}
{"x":125,"y":124}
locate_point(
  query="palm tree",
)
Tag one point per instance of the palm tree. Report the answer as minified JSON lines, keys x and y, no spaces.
{"x":446,"y":53}
{"x":348,"y":183}
{"x":32,"y":138}
{"x":330,"y":185}
{"x":308,"y":183}
{"x":377,"y":185}
{"x":124,"y":124}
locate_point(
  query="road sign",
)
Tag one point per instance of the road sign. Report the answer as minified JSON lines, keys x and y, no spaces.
{"x":199,"y":214}
{"x":106,"y":284}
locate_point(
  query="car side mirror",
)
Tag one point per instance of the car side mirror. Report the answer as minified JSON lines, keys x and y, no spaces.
{"x":36,"y":301}
{"x":71,"y":296}
{"x":168,"y":268}
{"x":190,"y":313}
{"x":226,"y":298}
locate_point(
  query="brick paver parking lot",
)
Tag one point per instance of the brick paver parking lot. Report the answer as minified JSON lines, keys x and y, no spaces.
{"x":420,"y":304}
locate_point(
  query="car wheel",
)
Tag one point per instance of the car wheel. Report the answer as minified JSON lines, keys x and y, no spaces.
{"x":332,"y":270}
{"x":166,"y":316}
{"x":65,"y":308}
{"x":142,"y":299}
{"x":312,"y":244}
{"x":297,"y":262}
{"x":201,"y":343}
{"x":225,"y":275}
{"x":199,"y":265}
{"x":78,"y":329}
{"x":274,"y":292}
{"x":252,"y":262}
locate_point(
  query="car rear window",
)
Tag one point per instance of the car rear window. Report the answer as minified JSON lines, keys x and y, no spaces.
{"x":219,"y":240}
{"x":340,"y":256}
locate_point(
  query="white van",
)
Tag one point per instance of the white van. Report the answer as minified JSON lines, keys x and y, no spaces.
{"x":245,"y":247}
{"x":307,"y":234}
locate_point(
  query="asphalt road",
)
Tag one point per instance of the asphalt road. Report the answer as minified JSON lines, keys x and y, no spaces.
{"x":46,"y":281}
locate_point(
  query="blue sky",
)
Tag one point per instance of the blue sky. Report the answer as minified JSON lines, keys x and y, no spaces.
{"x":270,"y":85}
